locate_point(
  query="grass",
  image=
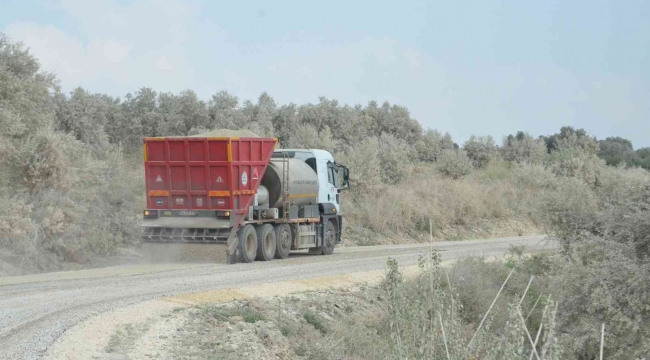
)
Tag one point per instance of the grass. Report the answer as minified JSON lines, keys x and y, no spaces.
{"x":247,"y":314}
{"x":314,"y":320}
{"x":126,"y":337}
{"x":251,"y":316}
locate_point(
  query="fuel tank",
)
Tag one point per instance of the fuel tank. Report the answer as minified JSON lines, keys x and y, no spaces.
{"x":303,"y":183}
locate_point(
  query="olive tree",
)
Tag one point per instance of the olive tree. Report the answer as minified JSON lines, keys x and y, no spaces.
{"x":480,"y":149}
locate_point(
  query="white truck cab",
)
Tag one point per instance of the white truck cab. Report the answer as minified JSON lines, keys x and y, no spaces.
{"x":327,"y":170}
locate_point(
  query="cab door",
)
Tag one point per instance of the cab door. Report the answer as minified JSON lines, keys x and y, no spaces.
{"x":333,"y":185}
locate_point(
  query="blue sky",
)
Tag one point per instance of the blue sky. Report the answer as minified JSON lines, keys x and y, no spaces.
{"x":466,"y":67}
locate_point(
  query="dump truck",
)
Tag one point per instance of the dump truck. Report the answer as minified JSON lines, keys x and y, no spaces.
{"x":242,"y":194}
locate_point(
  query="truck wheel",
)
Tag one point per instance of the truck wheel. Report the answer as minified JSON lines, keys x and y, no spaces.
{"x":265,"y":242}
{"x":247,"y":243}
{"x":330,"y":238}
{"x":328,"y":242}
{"x":283,"y":241}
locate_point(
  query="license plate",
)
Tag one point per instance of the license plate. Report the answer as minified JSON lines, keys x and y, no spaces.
{"x":187,"y":213}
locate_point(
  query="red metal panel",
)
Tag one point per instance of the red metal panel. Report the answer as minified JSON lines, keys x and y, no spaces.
{"x":256,"y":151}
{"x":198,"y":181}
{"x":178,"y":177}
{"x":156,"y":151}
{"x":197,"y":150}
{"x":177,"y":150}
{"x":218,"y":150}
{"x":235,"y":151}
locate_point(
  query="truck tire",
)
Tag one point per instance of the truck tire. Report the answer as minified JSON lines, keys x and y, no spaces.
{"x":265,"y":242}
{"x":329,"y":241}
{"x":247,"y":243}
{"x":283,"y":238}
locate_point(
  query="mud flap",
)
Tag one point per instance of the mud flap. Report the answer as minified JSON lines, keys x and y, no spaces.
{"x":233,"y":243}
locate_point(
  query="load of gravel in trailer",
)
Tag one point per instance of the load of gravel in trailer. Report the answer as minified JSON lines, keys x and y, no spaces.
{"x":241,"y":133}
{"x":228,"y":133}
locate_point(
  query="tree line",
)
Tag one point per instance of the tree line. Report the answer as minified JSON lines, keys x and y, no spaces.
{"x":99,"y":119}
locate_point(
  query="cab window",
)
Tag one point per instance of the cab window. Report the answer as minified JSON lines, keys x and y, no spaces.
{"x":312,"y":163}
{"x":332,"y":175}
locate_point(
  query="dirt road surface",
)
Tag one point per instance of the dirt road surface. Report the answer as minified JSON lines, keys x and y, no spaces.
{"x":36,"y":310}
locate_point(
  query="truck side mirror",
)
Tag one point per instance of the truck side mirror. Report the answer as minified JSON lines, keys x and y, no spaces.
{"x":346,"y":178}
{"x":346,"y":175}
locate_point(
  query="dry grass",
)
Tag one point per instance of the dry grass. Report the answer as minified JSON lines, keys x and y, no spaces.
{"x":497,"y":201}
{"x":427,"y":317}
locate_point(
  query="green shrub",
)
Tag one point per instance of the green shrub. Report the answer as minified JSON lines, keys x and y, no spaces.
{"x":315,"y":320}
{"x":251,"y":316}
{"x":480,"y":149}
{"x":523,"y":148}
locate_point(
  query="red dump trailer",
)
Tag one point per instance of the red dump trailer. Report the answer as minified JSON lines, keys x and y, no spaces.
{"x":240,"y":192}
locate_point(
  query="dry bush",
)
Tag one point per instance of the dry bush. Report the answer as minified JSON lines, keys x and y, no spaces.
{"x":428,"y":318}
{"x":375,"y":161}
{"x":577,"y":163}
{"x":432,"y":144}
{"x":498,"y":201}
{"x":45,"y":160}
{"x":75,"y":206}
{"x":64,"y":196}
{"x":605,"y":282}
{"x":454,"y":163}
{"x":19,"y":236}
{"x":523,"y":148}
{"x":306,"y":136}
{"x":604,"y":234}
{"x":394,"y":157}
{"x":363,"y":161}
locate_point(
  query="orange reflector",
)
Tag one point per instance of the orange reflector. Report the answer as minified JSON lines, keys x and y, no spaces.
{"x":219,"y":193}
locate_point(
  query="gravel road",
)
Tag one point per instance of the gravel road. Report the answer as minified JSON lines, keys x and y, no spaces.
{"x":35,"y":310}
